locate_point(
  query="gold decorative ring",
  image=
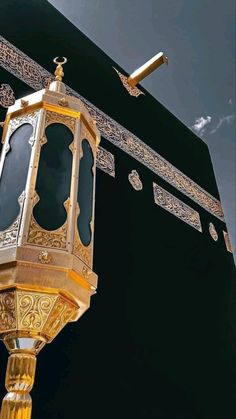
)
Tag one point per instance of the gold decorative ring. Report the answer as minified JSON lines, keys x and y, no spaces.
{"x":60,"y":62}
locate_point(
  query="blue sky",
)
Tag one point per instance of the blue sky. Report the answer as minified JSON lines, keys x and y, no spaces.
{"x":198,"y":86}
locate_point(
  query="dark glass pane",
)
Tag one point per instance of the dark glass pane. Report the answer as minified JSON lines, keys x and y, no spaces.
{"x":14,"y":175}
{"x":85,"y":193}
{"x":54,"y":175}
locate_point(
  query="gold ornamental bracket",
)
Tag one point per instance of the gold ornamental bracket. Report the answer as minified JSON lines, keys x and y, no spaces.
{"x":147,"y":68}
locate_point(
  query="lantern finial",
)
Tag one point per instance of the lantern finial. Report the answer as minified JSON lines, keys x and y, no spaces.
{"x":59,"y":70}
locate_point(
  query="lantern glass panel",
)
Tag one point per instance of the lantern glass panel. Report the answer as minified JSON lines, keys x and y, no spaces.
{"x":85,"y":194}
{"x":14,"y":174}
{"x":54,"y":177}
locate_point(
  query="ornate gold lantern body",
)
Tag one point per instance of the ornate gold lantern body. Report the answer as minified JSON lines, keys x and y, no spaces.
{"x":46,"y":229}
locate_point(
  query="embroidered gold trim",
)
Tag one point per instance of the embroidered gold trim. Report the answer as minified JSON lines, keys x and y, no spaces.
{"x":176,"y":207}
{"x":135,"y":180}
{"x":7,"y":97}
{"x":133,"y":91}
{"x":27,"y":70}
{"x":227,"y":242}
{"x":105,"y":161}
{"x":213,"y":232}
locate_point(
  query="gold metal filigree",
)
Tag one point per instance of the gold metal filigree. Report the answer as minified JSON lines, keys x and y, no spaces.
{"x":16,"y":122}
{"x":9,"y":236}
{"x":40,"y":237}
{"x":81,"y":251}
{"x":176,"y":207}
{"x":7,"y":311}
{"x":63,"y":311}
{"x":54,"y":117}
{"x":213,"y":232}
{"x":135,"y":180}
{"x":45,"y":257}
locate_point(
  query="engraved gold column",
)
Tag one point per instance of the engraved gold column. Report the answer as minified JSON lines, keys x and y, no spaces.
{"x":47,"y":189}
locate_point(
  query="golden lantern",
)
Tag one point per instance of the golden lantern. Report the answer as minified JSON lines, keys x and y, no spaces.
{"x":47,"y":189}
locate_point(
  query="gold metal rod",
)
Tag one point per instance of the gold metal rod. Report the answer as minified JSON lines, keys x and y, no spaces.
{"x":17,"y":403}
{"x":147,"y":68}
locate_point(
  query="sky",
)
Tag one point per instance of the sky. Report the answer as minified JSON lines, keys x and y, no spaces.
{"x":198,"y":85}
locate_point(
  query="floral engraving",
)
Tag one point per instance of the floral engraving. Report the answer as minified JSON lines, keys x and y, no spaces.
{"x":176,"y":207}
{"x":30,"y":118}
{"x":40,"y":237}
{"x":81,"y":251}
{"x":33,"y":309}
{"x":54,"y":117}
{"x":7,"y":311}
{"x":61,"y":314}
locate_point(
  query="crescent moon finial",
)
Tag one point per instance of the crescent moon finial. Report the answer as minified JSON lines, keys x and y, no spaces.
{"x":59,"y":70}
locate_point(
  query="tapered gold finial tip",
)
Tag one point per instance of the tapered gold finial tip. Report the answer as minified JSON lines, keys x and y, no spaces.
{"x":59,"y":70}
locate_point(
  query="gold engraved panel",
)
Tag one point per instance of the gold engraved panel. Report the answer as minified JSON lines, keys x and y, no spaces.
{"x":81,"y":251}
{"x":35,"y":312}
{"x":33,"y":309}
{"x":7,"y":311}
{"x":30,"y":118}
{"x":40,"y":237}
{"x":133,"y":91}
{"x":16,"y":62}
{"x":176,"y":207}
{"x":54,"y":117}
{"x":105,"y":161}
{"x":9,"y":236}
{"x":62,"y":313}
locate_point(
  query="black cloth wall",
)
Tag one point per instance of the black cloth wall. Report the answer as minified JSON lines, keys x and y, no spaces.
{"x":159,"y":338}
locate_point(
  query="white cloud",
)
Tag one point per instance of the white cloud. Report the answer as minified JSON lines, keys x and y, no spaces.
{"x":222,"y":120}
{"x":200,"y":124}
{"x":230,"y":101}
